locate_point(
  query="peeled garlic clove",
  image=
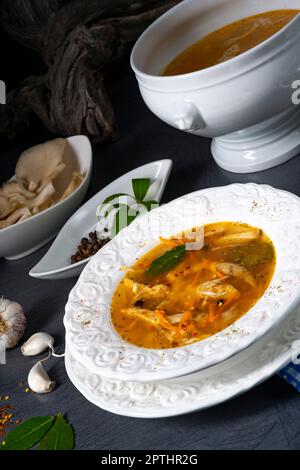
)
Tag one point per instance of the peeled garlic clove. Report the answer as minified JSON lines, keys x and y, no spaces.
{"x":39,"y":381}
{"x":37,"y":344}
{"x":12,"y":323}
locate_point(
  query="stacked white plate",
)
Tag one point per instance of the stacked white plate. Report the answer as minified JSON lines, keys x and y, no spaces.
{"x":128,"y":380}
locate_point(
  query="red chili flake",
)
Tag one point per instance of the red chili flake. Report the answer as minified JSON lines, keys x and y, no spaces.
{"x":5,"y":417}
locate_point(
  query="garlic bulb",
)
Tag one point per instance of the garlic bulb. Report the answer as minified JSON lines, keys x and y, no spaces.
{"x":37,"y":344}
{"x":38,"y":379}
{"x":12,"y":323}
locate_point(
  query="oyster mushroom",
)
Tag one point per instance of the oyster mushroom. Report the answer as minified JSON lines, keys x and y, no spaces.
{"x":17,"y":200}
{"x":5,"y":207}
{"x":42,"y":198}
{"x":13,"y":195}
{"x":76,"y":181}
{"x":41,"y":164}
{"x":37,"y":186}
{"x":16,"y":216}
{"x":13,"y":188}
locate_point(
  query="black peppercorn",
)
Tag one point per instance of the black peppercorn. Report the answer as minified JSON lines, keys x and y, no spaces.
{"x":88,"y":247}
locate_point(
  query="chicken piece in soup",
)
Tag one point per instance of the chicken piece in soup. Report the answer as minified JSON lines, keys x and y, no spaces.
{"x":174,"y":296}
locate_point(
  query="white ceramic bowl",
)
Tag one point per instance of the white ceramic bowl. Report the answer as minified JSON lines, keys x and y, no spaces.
{"x":228,"y":99}
{"x":90,"y":335}
{"x":56,"y":262}
{"x":24,"y":238}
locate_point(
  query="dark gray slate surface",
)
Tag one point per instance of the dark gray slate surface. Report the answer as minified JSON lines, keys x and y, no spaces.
{"x":267,"y":417}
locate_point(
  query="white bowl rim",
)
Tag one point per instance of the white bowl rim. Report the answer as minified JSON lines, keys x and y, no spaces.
{"x":58,"y":204}
{"x":104,"y":351}
{"x":217,"y":67}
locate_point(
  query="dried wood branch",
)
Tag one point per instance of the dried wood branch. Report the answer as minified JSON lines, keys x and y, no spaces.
{"x":79,"y":41}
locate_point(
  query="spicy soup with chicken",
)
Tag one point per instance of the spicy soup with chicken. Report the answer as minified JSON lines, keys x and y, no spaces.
{"x":174,"y":296}
{"x":229,"y":41}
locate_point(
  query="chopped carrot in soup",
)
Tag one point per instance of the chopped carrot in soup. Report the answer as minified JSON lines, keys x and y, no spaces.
{"x":174,"y":296}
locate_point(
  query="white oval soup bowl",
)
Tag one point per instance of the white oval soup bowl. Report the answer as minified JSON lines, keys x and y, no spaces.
{"x":227,"y":100}
{"x":25,"y":237}
{"x":90,"y":334}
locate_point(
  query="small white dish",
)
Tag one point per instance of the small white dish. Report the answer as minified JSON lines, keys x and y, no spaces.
{"x":56,"y":264}
{"x":27,"y":236}
{"x":194,"y":392}
{"x":90,"y":334}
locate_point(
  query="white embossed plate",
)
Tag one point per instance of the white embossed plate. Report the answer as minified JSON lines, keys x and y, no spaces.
{"x":91,"y":337}
{"x":191,"y":393}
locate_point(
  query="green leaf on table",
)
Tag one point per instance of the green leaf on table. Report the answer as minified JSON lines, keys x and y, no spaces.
{"x":27,"y":434}
{"x":60,"y":436}
{"x":150,"y":205}
{"x":140,"y":188}
{"x":167,"y":261}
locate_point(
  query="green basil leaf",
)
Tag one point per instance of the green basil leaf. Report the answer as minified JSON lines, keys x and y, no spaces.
{"x":114,"y":206}
{"x":131,"y":218}
{"x":114,"y":196}
{"x":150,"y":205}
{"x":121,"y":220}
{"x":115,"y":229}
{"x":27,"y":434}
{"x":60,"y":436}
{"x":140,"y":188}
{"x":167,"y":261}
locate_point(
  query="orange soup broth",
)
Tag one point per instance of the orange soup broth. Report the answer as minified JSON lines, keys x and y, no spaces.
{"x":207,"y":315}
{"x":229,"y":41}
